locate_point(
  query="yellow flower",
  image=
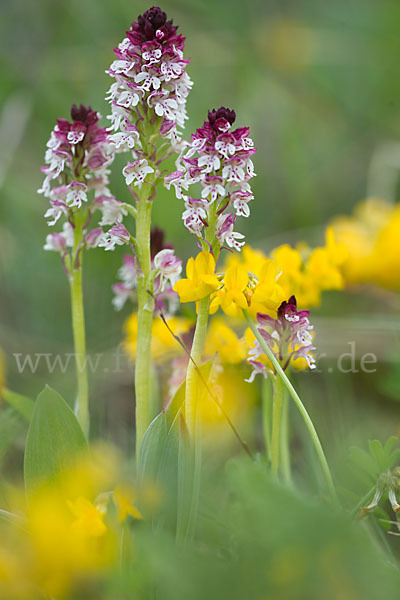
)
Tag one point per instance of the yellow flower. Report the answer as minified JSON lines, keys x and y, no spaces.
{"x":223,"y":340}
{"x":89,"y":520}
{"x":372,"y":238}
{"x":289,"y":260}
{"x":237,"y":400}
{"x":163,"y":344}
{"x":251,"y":259}
{"x":201,"y":280}
{"x":387,"y":251}
{"x":337,"y":252}
{"x":323,"y":263}
{"x":268,"y":293}
{"x":67,"y":540}
{"x":125,"y":497}
{"x":232,"y":297}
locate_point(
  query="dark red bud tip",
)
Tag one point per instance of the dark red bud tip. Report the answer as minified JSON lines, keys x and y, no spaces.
{"x":222,"y":113}
{"x":152,"y":21}
{"x":85,"y":115}
{"x":291,"y":302}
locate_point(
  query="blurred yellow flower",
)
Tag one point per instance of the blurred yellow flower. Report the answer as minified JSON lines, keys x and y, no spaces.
{"x":232,"y":297}
{"x":323,"y":263}
{"x":125,"y":497}
{"x":372,"y":239}
{"x":163,"y":344}
{"x":222,"y":340}
{"x":63,"y":537}
{"x":201,"y":280}
{"x":89,"y":520}
{"x":234,"y":397}
{"x":268,"y":294}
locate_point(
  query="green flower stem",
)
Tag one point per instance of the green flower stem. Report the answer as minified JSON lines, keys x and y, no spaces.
{"x":199,"y":335}
{"x":302,"y":409}
{"x":285,"y":453}
{"x":266,"y":416}
{"x":145,"y":316}
{"x":276,"y":425}
{"x":192,"y":378}
{"x":78,"y":328}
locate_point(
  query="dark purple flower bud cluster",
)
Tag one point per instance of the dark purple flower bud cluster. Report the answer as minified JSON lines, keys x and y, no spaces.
{"x":289,"y":337}
{"x":218,"y":158}
{"x":220,"y":118}
{"x":152,"y":25}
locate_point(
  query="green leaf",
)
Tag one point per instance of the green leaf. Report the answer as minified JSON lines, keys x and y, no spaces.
{"x":152,"y":447}
{"x":23,"y":405}
{"x":158,"y":463}
{"x":363,"y":464}
{"x":11,"y":518}
{"x":189,"y":483}
{"x":376,"y":450}
{"x":54,"y":439}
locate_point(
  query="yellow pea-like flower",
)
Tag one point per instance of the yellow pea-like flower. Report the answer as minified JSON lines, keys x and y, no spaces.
{"x":201,"y":279}
{"x":232,"y":297}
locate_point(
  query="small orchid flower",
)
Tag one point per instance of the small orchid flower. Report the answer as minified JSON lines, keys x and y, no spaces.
{"x":169,"y":266}
{"x":135,"y":172}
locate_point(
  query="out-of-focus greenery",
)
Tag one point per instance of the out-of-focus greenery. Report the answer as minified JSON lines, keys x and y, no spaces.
{"x":257,"y":540}
{"x":317,"y":84}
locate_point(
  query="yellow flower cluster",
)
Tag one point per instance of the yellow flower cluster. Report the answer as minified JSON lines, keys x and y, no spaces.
{"x":372,"y":238}
{"x":303,"y":272}
{"x":252,"y":281}
{"x":68,"y":532}
{"x":260,"y":283}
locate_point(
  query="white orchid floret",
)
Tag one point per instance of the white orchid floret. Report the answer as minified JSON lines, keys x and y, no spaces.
{"x":127,"y":272}
{"x":113,"y":211}
{"x":116,"y":236}
{"x":121,"y":295}
{"x":213,"y":188}
{"x":169,"y":267}
{"x":148,"y":80}
{"x":55,"y":242}
{"x":127,"y":99}
{"x":76,"y":193}
{"x":122,"y":66}
{"x":163,"y":105}
{"x":135,"y":172}
{"x":240,"y":200}
{"x":234,"y":170}
{"x":178,"y":181}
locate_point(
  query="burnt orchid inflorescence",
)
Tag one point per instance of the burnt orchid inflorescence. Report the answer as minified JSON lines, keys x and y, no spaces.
{"x":289,"y":337}
{"x":219,"y":159}
{"x":76,"y":182}
{"x":148,"y":96}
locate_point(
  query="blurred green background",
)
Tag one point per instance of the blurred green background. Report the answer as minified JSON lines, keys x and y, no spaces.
{"x":317,"y":82}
